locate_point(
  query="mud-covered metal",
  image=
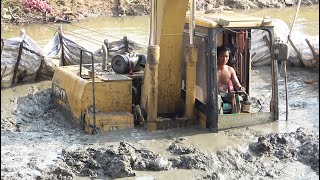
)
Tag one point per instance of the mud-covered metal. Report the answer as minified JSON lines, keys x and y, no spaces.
{"x":77,"y":96}
{"x":152,"y":105}
{"x":191,"y":64}
{"x":128,"y":63}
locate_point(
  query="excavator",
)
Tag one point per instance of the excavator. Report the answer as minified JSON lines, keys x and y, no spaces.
{"x":176,"y":84}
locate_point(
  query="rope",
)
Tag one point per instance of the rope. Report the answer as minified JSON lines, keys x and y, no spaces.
{"x":295,"y":18}
{"x":284,"y":63}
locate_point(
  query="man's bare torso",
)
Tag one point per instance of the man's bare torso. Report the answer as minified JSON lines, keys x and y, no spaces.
{"x":225,"y":72}
{"x":224,"y":75}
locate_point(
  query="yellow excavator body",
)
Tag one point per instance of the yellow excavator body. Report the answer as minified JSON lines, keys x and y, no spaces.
{"x":111,"y":94}
{"x":113,"y":98}
{"x":230,"y":20}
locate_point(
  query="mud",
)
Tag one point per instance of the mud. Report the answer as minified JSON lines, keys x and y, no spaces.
{"x":120,"y":161}
{"x":38,"y":143}
{"x":266,"y":157}
{"x":240,"y":163}
{"x":299,"y":145}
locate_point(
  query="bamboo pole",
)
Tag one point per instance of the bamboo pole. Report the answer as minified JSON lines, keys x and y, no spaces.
{"x":4,"y":71}
{"x":265,"y":38}
{"x":15,"y":71}
{"x":2,"y":45}
{"x":296,"y":49}
{"x":315,"y":55}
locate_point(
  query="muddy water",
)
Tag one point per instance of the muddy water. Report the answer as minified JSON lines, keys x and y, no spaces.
{"x":95,"y":30}
{"x":89,"y":33}
{"x":307,"y":21}
{"x":34,"y":133}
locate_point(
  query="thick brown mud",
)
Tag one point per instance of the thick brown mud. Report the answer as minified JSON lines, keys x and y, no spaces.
{"x":38,"y":143}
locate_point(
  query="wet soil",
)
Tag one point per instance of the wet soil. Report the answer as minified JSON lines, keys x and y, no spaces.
{"x":38,"y":143}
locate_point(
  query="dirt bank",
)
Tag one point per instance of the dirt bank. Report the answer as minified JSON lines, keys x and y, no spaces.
{"x":38,"y":143}
{"x":16,"y":11}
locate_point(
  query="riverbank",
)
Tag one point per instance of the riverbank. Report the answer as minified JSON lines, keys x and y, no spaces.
{"x":37,"y":11}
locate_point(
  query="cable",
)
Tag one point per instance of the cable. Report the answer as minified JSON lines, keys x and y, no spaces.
{"x":285,"y":63}
{"x":94,"y":31}
{"x":103,"y":33}
{"x":80,"y":34}
{"x":73,"y":33}
{"x":55,"y":28}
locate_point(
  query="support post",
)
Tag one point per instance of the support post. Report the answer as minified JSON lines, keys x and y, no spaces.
{"x":296,"y":49}
{"x":126,"y":44}
{"x":191,"y":65}
{"x":2,"y":45}
{"x":152,"y":102}
{"x":212,"y":90}
{"x":315,"y":55}
{"x":61,"y":44}
{"x":16,"y":67}
{"x":105,"y":54}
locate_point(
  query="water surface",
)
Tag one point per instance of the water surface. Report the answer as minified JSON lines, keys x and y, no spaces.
{"x":91,"y":33}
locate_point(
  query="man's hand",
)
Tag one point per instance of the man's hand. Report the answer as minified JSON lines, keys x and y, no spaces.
{"x":242,"y":89}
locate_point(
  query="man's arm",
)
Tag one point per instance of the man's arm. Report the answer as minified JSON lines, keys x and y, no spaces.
{"x":235,"y":80}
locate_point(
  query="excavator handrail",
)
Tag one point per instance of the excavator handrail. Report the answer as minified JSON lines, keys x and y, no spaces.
{"x":93,"y":92}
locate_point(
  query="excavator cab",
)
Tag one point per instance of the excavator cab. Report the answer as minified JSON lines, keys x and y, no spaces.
{"x":234,"y":31}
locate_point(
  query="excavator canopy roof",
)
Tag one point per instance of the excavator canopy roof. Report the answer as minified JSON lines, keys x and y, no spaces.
{"x":230,"y":20}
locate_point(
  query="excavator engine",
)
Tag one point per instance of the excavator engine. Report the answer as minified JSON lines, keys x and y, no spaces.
{"x":128,"y":63}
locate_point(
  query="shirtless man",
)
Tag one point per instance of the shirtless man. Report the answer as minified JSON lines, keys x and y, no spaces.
{"x":225,"y":73}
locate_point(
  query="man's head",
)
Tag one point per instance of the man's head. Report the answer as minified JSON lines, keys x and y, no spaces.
{"x":223,"y":55}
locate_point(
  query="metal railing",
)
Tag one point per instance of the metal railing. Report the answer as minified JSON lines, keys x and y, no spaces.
{"x":93,"y":88}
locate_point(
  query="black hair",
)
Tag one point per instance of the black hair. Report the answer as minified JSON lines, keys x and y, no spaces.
{"x":222,"y":49}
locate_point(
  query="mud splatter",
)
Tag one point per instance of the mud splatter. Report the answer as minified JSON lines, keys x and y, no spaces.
{"x":300,"y":145}
{"x":241,"y":163}
{"x":121,"y":161}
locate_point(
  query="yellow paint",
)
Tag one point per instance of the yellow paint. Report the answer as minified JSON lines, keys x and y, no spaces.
{"x":235,"y":19}
{"x":201,"y":117}
{"x":108,"y":121}
{"x":219,"y":38}
{"x":153,"y":61}
{"x":110,"y":96}
{"x":170,"y":23}
{"x":171,"y":16}
{"x":115,"y":96}
{"x":152,"y":126}
{"x":191,"y":64}
{"x":227,"y":121}
{"x":171,"y":56}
